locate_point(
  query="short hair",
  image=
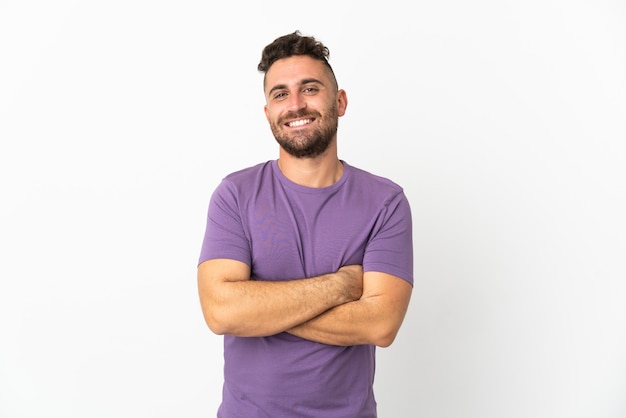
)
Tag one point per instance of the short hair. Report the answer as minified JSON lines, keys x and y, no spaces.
{"x":294,"y":44}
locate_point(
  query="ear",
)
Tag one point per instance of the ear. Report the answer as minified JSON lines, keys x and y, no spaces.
{"x":267,"y":113}
{"x":342,"y":102}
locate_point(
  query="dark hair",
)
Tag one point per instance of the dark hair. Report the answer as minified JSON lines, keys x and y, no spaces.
{"x":294,"y":44}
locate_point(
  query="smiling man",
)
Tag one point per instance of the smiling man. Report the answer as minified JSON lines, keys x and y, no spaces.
{"x":307,"y":262}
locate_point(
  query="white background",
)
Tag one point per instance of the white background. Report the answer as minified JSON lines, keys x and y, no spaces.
{"x":505,"y":122}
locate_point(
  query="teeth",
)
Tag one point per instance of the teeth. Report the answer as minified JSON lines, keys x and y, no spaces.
{"x":299,"y":122}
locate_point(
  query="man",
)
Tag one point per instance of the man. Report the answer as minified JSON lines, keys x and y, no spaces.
{"x":307,"y":262}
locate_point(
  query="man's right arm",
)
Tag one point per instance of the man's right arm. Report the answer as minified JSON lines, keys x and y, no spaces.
{"x":233,"y":303}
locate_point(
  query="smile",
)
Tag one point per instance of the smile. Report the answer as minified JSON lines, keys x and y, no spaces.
{"x":298,"y":123}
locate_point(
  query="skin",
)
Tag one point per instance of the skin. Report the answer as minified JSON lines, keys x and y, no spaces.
{"x":348,"y":307}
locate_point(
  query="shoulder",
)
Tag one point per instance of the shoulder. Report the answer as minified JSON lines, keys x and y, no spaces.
{"x":242,"y":185}
{"x":372,"y":183}
{"x":249,"y":173}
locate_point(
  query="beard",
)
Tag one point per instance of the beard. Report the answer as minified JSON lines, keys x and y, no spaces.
{"x":307,"y":144}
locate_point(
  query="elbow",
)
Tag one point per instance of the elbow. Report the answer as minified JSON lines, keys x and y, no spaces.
{"x":224,"y":321}
{"x":216,"y":328}
{"x":383,"y":336}
{"x":385,"y":339}
{"x":216,"y":324}
{"x":217,"y":316}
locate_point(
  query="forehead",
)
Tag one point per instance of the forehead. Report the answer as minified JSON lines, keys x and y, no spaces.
{"x":292,"y":70}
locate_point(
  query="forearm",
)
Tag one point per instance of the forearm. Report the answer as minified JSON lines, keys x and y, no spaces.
{"x":373,"y":319}
{"x":239,"y":306}
{"x":354,"y":323}
{"x":260,"y":308}
{"x":344,"y":325}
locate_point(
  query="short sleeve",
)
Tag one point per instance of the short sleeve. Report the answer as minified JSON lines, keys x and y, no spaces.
{"x":224,"y":236}
{"x":390,"y":248}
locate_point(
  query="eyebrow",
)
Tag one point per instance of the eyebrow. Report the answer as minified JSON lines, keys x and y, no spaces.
{"x":302,"y":82}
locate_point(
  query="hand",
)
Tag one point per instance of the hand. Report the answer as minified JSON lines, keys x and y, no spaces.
{"x":352,"y":279}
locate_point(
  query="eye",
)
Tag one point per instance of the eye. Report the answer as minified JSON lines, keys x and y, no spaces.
{"x":280,"y":95}
{"x":310,"y":90}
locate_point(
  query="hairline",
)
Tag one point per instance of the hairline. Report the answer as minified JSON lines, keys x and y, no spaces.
{"x":329,"y":69}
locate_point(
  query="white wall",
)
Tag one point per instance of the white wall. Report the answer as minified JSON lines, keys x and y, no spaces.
{"x":505,"y":121}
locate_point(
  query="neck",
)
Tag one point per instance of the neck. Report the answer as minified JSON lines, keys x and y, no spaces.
{"x":322,"y":171}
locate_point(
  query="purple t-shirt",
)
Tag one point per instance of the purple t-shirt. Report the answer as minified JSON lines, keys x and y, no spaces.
{"x":284,"y":231}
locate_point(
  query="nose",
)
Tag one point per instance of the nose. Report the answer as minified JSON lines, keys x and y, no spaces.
{"x":297,"y":102}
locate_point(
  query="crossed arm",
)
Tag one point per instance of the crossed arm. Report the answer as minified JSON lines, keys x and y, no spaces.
{"x":347,"y":307}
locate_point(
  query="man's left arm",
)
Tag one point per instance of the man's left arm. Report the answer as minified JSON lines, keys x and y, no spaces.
{"x":373,"y":319}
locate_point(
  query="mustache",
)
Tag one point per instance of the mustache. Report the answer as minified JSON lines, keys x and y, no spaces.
{"x":298,"y":115}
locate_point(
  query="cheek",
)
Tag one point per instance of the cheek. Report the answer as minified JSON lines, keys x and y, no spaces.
{"x":272,"y":113}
